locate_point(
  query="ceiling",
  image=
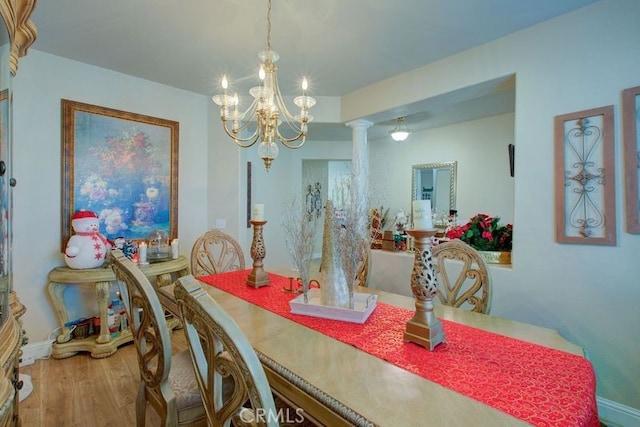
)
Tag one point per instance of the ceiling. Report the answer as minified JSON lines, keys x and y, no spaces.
{"x":340,"y":45}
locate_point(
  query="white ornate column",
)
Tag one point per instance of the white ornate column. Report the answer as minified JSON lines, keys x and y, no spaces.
{"x":360,"y":156}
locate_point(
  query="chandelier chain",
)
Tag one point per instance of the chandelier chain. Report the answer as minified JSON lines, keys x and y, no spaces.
{"x":269,"y":25}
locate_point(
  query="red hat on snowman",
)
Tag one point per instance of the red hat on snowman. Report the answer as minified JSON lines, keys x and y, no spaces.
{"x":83,"y":214}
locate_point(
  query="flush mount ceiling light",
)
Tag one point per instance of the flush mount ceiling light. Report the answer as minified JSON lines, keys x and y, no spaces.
{"x":400,"y":132}
{"x":268,"y":112}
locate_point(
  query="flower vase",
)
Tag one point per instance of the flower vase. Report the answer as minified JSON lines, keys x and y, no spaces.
{"x":144,"y":213}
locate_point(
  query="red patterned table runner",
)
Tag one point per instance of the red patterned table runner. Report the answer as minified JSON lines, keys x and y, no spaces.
{"x":540,"y":385}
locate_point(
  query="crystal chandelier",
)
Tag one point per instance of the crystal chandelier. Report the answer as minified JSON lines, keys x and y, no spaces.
{"x":268,"y":112}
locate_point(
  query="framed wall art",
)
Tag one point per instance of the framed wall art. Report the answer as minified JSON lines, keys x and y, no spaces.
{"x":630,"y":126}
{"x":123,"y":167}
{"x":584,"y":177}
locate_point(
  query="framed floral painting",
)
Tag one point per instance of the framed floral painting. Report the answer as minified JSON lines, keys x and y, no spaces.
{"x":123,"y":167}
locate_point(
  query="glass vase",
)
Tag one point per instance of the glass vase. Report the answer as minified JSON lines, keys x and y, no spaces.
{"x":334,"y":291}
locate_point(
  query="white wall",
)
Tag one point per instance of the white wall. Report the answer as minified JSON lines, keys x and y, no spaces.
{"x":480,"y":148}
{"x":575,"y":62}
{"x":276,"y":187}
{"x":41,"y":82}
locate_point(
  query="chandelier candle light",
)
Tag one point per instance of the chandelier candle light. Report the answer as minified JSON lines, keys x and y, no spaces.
{"x":267,"y":112}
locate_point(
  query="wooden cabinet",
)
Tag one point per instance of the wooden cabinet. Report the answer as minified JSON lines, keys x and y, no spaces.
{"x":17,"y":33}
{"x":10,"y":333}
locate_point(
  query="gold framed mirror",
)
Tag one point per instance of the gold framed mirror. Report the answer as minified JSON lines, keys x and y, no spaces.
{"x":435,"y":182}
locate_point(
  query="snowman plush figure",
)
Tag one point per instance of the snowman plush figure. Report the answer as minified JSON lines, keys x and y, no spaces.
{"x":87,"y":248}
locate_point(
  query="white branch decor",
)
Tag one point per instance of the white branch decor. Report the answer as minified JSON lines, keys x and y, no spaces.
{"x":354,"y":236}
{"x":299,"y":235}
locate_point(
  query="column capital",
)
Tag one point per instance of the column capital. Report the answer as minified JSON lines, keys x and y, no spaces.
{"x":359,"y":123}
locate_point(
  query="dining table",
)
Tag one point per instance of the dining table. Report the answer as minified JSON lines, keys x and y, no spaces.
{"x":490,"y":370}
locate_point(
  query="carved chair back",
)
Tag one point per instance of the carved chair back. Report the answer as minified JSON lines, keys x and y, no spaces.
{"x":232,"y":381}
{"x":216,"y":252}
{"x":463,"y":278}
{"x":362,"y":275}
{"x":166,"y":382}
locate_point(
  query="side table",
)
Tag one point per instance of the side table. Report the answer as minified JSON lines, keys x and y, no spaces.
{"x":160,"y":274}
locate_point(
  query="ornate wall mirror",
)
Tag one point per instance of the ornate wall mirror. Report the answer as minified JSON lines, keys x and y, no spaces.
{"x":435,"y":182}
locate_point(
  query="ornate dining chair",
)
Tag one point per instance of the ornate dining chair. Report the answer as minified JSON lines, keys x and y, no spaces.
{"x":362,"y":275}
{"x":463,"y":278}
{"x":216,"y":252}
{"x":232,"y":381}
{"x":167,"y":382}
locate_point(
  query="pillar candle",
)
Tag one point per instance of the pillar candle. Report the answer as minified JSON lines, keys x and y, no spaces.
{"x":258,"y":212}
{"x":175,"y":252}
{"x":142,"y":253}
{"x":422,"y":215}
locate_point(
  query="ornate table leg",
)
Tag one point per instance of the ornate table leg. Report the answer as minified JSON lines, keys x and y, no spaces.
{"x":258,"y":277}
{"x":102,"y":296}
{"x":166,"y":279}
{"x":163,"y":280}
{"x":56,"y":293}
{"x":424,"y":328}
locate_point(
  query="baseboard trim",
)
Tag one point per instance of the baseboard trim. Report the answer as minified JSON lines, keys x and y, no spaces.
{"x":614,"y":414}
{"x":36,"y":350}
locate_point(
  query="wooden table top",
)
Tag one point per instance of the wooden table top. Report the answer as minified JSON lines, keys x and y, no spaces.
{"x":383,"y":393}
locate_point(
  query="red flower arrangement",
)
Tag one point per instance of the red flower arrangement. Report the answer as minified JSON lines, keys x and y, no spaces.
{"x":484,"y":233}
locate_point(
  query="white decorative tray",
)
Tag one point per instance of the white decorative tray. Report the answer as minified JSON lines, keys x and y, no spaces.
{"x":364,"y":304}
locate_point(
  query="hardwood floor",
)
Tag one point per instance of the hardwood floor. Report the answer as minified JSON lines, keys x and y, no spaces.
{"x":82,"y":391}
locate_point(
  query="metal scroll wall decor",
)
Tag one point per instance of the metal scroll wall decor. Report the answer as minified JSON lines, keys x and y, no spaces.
{"x":585,"y":183}
{"x":313,"y":201}
{"x":630,"y":126}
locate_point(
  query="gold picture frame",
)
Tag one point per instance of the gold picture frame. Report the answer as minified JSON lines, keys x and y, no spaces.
{"x":585,"y":211}
{"x":122,"y":166}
